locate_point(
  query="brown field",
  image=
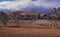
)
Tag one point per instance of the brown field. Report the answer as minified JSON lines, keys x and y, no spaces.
{"x":29,"y":31}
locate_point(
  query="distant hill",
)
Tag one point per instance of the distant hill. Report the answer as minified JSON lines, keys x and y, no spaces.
{"x":34,"y":9}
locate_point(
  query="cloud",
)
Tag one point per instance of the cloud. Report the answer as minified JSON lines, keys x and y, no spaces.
{"x":15,"y":5}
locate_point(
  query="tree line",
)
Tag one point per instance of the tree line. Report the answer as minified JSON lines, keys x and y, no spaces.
{"x":4,"y":17}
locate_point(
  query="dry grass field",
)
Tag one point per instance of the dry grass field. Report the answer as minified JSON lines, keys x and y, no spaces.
{"x":29,"y":31}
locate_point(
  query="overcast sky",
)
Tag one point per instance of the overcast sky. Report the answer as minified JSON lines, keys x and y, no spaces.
{"x":28,"y":4}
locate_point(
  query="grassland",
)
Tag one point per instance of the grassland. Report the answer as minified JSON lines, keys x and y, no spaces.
{"x":29,"y":31}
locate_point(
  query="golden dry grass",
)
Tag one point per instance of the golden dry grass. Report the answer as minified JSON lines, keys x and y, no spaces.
{"x":29,"y":26}
{"x":28,"y":32}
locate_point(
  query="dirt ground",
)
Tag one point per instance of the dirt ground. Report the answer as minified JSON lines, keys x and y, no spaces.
{"x":28,"y":32}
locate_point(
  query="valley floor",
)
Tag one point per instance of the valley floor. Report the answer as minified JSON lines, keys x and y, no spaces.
{"x":28,"y":32}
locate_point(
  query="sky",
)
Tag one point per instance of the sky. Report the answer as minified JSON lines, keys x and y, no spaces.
{"x":28,"y":5}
